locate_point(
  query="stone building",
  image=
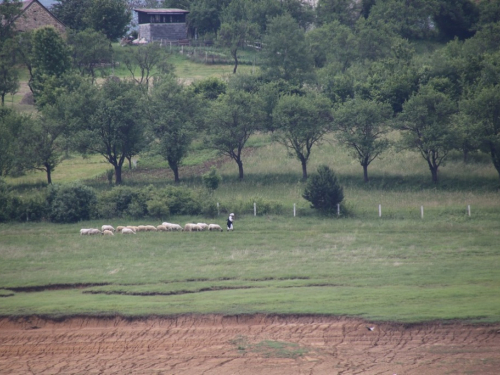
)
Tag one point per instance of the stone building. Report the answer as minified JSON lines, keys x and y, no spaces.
{"x":34,"y":15}
{"x":162,"y":24}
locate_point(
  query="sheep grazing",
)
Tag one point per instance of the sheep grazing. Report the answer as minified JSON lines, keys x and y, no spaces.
{"x":161,"y":228}
{"x":150,"y":228}
{"x":216,"y":227}
{"x":166,"y":223}
{"x":108,"y":232}
{"x":92,"y":232}
{"x":134,"y":228}
{"x":119,"y":228}
{"x":191,"y":227}
{"x":107,"y":227}
{"x":84,"y":231}
{"x":203,"y":226}
{"x":174,"y":227}
{"x":128,"y":231}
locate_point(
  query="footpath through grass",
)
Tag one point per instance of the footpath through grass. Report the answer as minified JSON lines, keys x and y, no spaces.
{"x":379,"y":269}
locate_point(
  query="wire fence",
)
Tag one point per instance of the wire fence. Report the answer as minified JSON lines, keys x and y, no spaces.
{"x":380,"y":212}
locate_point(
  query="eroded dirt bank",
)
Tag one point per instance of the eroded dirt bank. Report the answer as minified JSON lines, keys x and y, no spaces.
{"x":217,"y":345}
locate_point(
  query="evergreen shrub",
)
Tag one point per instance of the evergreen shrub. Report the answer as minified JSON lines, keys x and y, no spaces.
{"x":323,"y":191}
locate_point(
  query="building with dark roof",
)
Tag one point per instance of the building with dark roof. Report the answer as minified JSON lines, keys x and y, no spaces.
{"x":162,"y":24}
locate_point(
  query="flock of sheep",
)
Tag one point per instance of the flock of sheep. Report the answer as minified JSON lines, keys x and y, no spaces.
{"x":164,"y":227}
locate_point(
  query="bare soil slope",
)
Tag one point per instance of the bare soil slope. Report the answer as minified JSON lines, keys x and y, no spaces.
{"x":244,"y":345}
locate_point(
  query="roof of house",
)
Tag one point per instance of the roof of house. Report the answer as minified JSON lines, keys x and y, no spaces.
{"x":162,"y":11}
{"x":26,"y":4}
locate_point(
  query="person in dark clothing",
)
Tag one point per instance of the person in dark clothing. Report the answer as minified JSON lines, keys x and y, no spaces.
{"x":230,"y":222}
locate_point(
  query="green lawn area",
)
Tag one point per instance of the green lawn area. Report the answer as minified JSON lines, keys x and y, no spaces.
{"x":403,"y":270}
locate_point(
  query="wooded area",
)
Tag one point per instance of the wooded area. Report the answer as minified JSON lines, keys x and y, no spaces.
{"x":427,"y":69}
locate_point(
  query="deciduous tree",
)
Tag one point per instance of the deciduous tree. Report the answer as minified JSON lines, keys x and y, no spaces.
{"x":362,"y":125}
{"x":148,"y":60}
{"x":300,"y":123}
{"x":173,"y":120}
{"x":107,"y":120}
{"x":72,"y":13}
{"x":427,"y":127}
{"x":110,"y":17}
{"x":89,"y":51}
{"x":483,"y":110}
{"x":230,"y":121}
{"x":285,"y":52}
{"x":236,"y":28}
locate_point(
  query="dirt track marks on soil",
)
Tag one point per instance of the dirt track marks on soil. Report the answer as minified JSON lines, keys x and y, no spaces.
{"x":244,"y":345}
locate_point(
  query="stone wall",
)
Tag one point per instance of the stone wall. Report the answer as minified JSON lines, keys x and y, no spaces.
{"x":163,"y":31}
{"x":36,"y":16}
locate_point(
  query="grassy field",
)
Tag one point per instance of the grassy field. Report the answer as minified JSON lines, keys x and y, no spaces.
{"x":396,"y":267}
{"x":404,"y":270}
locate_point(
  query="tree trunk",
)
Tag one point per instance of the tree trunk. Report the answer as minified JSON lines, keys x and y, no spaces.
{"x":235,"y":57}
{"x":495,"y":157}
{"x":304,"y":168}
{"x":434,"y":172}
{"x":49,"y":172}
{"x":174,"y":166}
{"x":365,"y":173}
{"x":118,"y":174}
{"x":240,"y":168}
{"x":433,"y":166}
{"x":176,"y":174}
{"x":3,"y":100}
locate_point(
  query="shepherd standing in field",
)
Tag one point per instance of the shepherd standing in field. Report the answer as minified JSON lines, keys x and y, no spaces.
{"x":230,"y":222}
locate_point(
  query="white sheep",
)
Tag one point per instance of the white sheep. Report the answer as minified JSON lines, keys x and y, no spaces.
{"x":108,"y":232}
{"x":202,"y":226}
{"x":128,"y":231}
{"x":150,"y":228}
{"x":174,"y":227}
{"x":119,"y":228}
{"x":93,"y":231}
{"x":191,"y":227}
{"x":107,"y":227}
{"x":84,"y":231}
{"x":166,"y":223}
{"x":212,"y":227}
{"x":162,"y":228}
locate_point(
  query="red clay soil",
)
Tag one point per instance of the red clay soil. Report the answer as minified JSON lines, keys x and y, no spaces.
{"x":270,"y":345}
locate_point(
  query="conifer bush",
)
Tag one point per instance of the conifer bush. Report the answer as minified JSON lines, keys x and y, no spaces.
{"x":324,"y":191}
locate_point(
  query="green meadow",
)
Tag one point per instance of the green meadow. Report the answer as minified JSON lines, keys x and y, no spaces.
{"x":424,"y":256}
{"x":396,"y":267}
{"x":390,"y":269}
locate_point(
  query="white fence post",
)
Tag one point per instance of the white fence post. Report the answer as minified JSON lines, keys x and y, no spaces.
{"x":218,"y":211}
{"x":379,"y":210}
{"x":338,"y":209}
{"x":294,"y":210}
{"x":254,"y":209}
{"x":422,"y":211}
{"x":468,"y":209}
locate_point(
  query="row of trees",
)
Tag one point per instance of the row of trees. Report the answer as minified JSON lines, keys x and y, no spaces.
{"x":359,"y":81}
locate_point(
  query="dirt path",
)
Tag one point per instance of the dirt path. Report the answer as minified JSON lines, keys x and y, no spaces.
{"x":216,"y":345}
